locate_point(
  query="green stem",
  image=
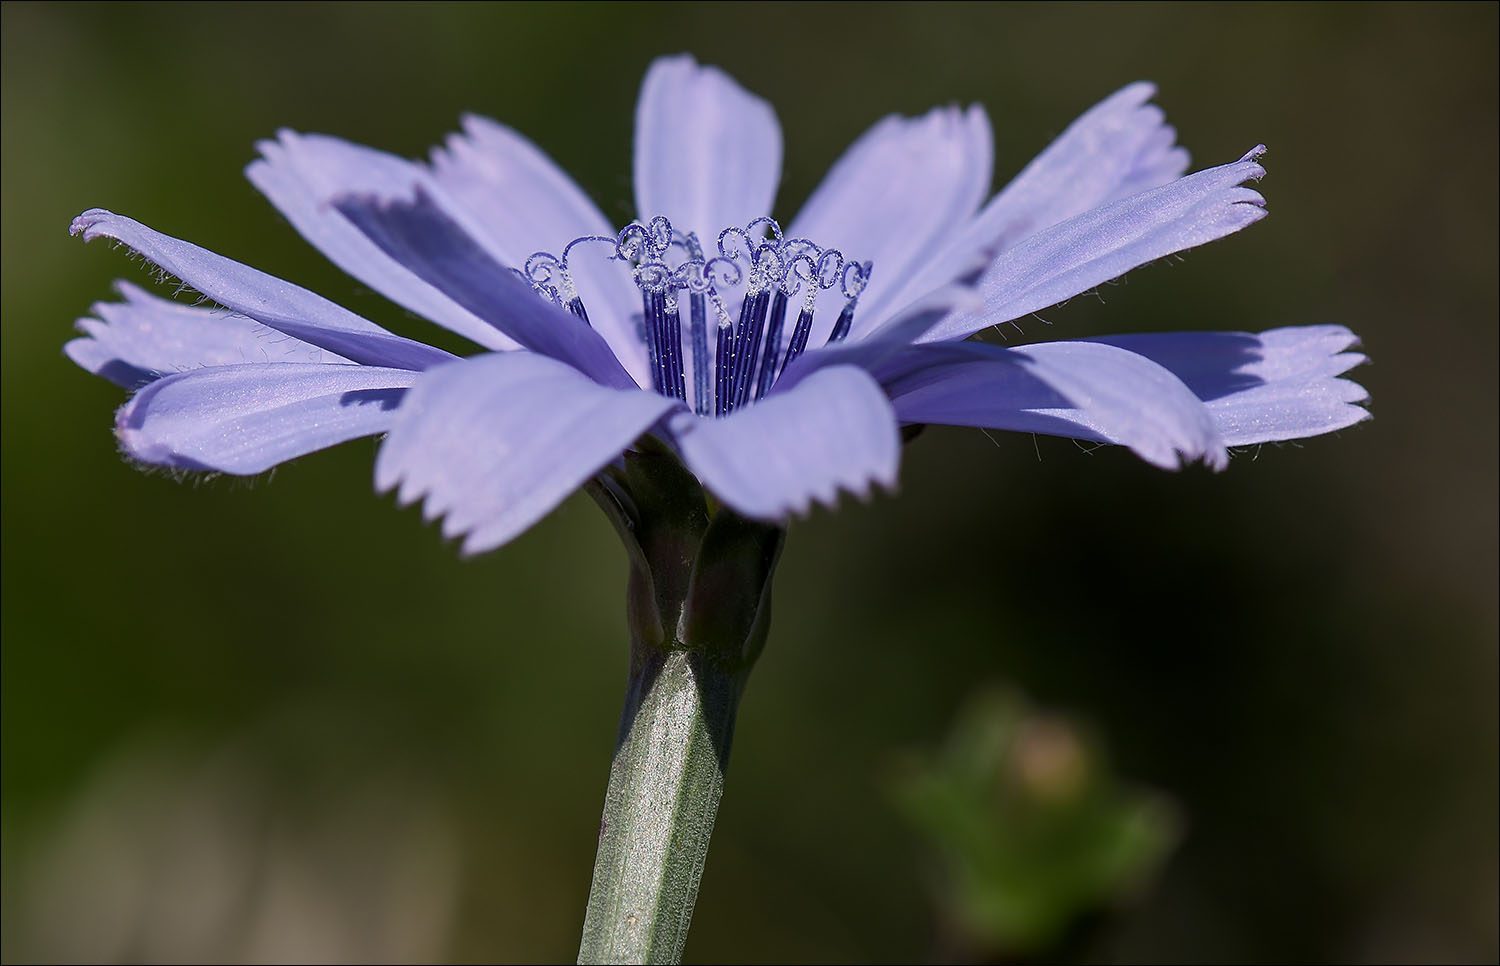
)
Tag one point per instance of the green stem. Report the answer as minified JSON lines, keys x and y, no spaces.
{"x":699,"y":608}
{"x":664,"y":789}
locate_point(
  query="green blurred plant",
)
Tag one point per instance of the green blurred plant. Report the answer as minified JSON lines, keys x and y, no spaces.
{"x":1032,"y":832}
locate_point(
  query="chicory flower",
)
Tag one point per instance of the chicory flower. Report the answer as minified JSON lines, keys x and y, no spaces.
{"x":778,"y":364}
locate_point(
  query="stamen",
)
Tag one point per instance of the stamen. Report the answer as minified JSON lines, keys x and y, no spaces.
{"x":823,"y":274}
{"x":723,"y":363}
{"x":653,"y":340}
{"x":841,"y":327}
{"x":661,"y":333}
{"x":800,"y":332}
{"x":569,"y":292}
{"x":672,"y":332}
{"x":852,"y":290}
{"x":637,"y":242}
{"x":773,"y":341}
{"x":744,"y":372}
{"x":747,"y":356}
{"x":767,"y":271}
{"x":724,"y":338}
{"x":699,"y":324}
{"x":544,"y":267}
{"x":738,"y":351}
{"x":546,"y":292}
{"x":695,"y":282}
{"x":764,"y":221}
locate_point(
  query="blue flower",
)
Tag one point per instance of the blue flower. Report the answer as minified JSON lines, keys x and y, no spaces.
{"x":779,"y":365}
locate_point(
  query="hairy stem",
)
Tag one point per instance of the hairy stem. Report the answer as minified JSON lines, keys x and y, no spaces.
{"x":664,"y":789}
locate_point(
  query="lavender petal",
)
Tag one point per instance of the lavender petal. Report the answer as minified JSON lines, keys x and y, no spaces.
{"x":245,"y":419}
{"x":299,"y":173}
{"x":1082,"y":390}
{"x":417,"y":232}
{"x":524,"y":202}
{"x":493,"y":443}
{"x":1072,"y":257}
{"x":707,"y":152}
{"x":835,"y":431}
{"x":1117,"y":148}
{"x":266,"y":299}
{"x":898,"y":193}
{"x":146,"y":337}
{"x":1272,"y":386}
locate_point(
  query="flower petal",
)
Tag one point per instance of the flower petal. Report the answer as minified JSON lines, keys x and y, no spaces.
{"x":266,"y":299}
{"x":145,"y":337}
{"x":495,"y":442}
{"x":1072,"y":257}
{"x":1119,"y":147}
{"x":835,"y":431}
{"x":417,"y":232}
{"x":1276,"y":385}
{"x":707,"y":152}
{"x":245,"y":419}
{"x":526,"y":203}
{"x":900,"y":191}
{"x":299,"y":173}
{"x":1082,"y":390}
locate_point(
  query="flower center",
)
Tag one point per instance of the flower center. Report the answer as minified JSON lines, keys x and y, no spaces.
{"x":736,"y":358}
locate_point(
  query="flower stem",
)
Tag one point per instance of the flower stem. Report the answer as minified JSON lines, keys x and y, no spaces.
{"x":664,"y":789}
{"x":699,"y":609}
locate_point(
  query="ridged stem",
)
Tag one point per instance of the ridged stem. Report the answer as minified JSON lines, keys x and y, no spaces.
{"x":699,"y":604}
{"x":664,"y":788}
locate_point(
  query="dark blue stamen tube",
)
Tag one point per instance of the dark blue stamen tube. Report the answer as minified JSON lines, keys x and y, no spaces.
{"x":799,"y":339}
{"x":698,"y":321}
{"x":658,"y":323}
{"x":737,"y":343}
{"x":723,"y":360}
{"x":653,"y":340}
{"x":841,"y":327}
{"x":575,"y":305}
{"x":672,"y":330}
{"x":745,"y":377}
{"x":773,"y":344}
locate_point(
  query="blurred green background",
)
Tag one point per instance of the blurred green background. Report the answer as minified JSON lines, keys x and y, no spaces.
{"x":279,"y":719}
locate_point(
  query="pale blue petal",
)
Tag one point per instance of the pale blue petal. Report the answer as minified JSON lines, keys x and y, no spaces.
{"x":901,"y":191}
{"x":1072,"y":257}
{"x":1214,"y":364}
{"x":527,"y":204}
{"x":418,"y":233}
{"x":707,"y":152}
{"x":1290,"y":409}
{"x":493,"y":443}
{"x":1082,"y":390}
{"x":145,"y":337}
{"x":266,"y":299}
{"x":300,"y":173}
{"x":1276,"y":385}
{"x":245,"y":419}
{"x":834,"y":432}
{"x":332,"y":171}
{"x":1119,"y":147}
{"x":1160,"y":161}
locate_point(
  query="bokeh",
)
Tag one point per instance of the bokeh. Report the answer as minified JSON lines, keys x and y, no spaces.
{"x":279,"y":719}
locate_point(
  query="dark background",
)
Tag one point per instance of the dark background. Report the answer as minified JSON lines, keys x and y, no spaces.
{"x":408,"y":751}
